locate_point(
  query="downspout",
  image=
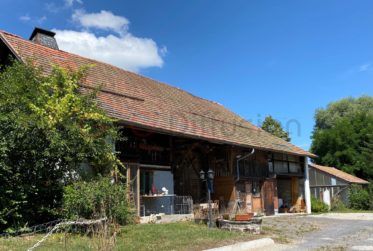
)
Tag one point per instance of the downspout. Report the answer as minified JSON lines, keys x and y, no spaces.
{"x":238,"y":161}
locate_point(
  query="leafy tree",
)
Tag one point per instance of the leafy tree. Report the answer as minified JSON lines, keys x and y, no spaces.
{"x":48,"y":128}
{"x":274,"y":127}
{"x":343,"y":136}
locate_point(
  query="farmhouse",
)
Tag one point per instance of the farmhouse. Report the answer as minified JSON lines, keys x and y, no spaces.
{"x":174,"y":135}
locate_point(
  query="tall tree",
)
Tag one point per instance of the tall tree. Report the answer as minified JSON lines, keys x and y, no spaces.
{"x":342,"y":136}
{"x":274,"y":127}
{"x":47,"y":129}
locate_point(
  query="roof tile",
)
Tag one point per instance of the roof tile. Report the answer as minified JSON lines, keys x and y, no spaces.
{"x":339,"y":174}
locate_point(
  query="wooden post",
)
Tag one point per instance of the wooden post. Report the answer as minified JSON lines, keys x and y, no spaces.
{"x":128,"y":183}
{"x":138,"y":189}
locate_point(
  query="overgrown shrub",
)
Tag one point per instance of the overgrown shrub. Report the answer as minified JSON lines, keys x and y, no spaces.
{"x":337,"y":204}
{"x":97,"y":199}
{"x":317,"y":206}
{"x":48,"y":127}
{"x":361,"y":198}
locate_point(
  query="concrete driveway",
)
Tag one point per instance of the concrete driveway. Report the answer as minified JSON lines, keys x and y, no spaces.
{"x":333,"y":231}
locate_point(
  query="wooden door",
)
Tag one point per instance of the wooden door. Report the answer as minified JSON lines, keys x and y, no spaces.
{"x":268,"y":196}
{"x":294,"y":190}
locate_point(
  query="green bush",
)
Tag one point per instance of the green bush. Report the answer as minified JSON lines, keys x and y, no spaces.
{"x":317,"y":206}
{"x":361,"y":198}
{"x":97,"y":199}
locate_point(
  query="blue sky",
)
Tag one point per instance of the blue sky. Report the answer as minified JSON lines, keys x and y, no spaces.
{"x":283,"y":58}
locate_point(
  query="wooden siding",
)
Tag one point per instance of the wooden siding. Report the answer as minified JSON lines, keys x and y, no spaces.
{"x":318,"y":178}
{"x":224,"y":188}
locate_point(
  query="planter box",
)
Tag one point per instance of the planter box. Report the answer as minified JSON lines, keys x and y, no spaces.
{"x":244,"y":217}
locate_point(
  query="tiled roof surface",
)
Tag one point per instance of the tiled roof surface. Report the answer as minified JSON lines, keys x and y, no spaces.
{"x":339,"y":174}
{"x":147,"y":103}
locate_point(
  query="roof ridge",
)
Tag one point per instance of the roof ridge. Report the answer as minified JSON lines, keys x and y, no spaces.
{"x":11,"y":34}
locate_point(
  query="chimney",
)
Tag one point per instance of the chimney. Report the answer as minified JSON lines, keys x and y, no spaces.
{"x":44,"y":37}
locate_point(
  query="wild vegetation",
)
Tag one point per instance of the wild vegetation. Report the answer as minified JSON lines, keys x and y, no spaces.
{"x":318,"y":206}
{"x":49,"y":132}
{"x":99,"y":198}
{"x":360,"y":198}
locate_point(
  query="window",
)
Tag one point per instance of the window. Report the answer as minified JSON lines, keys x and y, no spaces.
{"x":281,"y":167}
{"x":256,"y":188}
{"x":294,"y":167}
{"x":270,"y":167}
{"x":279,"y":163}
{"x":334,"y":182}
{"x":146,"y":182}
{"x":152,"y":181}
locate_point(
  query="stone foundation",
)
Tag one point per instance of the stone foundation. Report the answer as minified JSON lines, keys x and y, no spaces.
{"x":253,"y":227}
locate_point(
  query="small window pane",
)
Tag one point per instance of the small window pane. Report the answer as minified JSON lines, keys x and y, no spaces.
{"x":293,"y":158}
{"x":281,"y":167}
{"x":279,"y":156}
{"x":294,"y":167}
{"x":334,"y":182}
{"x":256,"y":188}
{"x":270,"y":167}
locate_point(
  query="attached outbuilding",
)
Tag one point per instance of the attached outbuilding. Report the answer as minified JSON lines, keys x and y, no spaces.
{"x":327,"y":183}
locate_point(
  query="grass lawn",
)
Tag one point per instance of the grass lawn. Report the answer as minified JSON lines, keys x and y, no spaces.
{"x":173,"y":236}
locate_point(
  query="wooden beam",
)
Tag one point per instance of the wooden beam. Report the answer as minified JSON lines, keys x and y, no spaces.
{"x":138,"y":189}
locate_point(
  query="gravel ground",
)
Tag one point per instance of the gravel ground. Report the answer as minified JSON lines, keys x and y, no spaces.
{"x":334,"y":231}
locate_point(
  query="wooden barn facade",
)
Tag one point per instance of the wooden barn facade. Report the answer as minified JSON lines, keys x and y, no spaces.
{"x":174,"y":135}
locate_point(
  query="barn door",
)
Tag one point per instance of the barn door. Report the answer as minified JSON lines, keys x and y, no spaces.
{"x":268,"y":196}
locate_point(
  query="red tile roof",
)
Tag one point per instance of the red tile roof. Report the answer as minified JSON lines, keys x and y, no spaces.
{"x":140,"y":101}
{"x":339,"y":174}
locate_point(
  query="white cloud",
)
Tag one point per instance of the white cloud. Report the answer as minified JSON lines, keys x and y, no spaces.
{"x":54,"y":7}
{"x":69,"y":3}
{"x":364,"y":67}
{"x":41,"y":20}
{"x":104,"y":20}
{"x":25,"y":18}
{"x":34,"y":20}
{"x":119,"y":47}
{"x":127,"y":51}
